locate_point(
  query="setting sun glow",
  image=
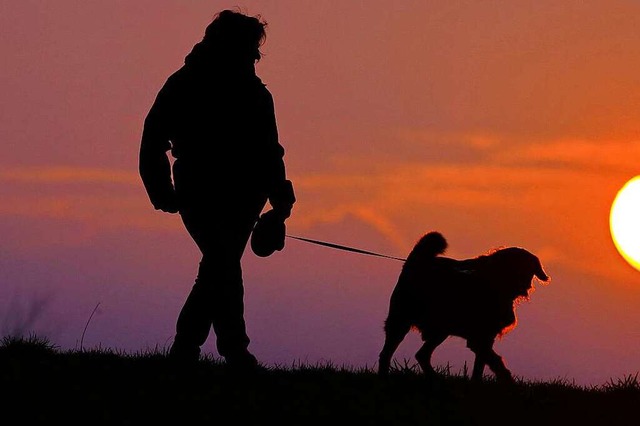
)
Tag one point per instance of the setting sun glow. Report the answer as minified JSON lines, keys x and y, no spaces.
{"x":624,"y":221}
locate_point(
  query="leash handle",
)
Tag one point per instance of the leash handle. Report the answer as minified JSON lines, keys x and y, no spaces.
{"x":339,"y":247}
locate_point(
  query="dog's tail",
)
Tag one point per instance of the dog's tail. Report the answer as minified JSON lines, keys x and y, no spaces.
{"x":430,"y":245}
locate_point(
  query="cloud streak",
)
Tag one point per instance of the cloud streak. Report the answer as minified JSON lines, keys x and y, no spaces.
{"x":68,"y":174}
{"x":553,"y":177}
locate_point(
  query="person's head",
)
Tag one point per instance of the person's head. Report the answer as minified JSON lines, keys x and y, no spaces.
{"x":231,"y":36}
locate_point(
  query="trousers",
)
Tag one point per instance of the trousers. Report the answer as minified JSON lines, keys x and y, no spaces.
{"x":221,"y":230}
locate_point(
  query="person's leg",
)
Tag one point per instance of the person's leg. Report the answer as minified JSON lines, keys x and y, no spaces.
{"x":217,"y":297}
{"x":227,"y":307}
{"x":194,"y":320}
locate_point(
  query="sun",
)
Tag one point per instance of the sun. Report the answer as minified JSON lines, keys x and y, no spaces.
{"x":624,"y":222}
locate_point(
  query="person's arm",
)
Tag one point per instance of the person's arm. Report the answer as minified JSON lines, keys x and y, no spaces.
{"x":154,"y":166}
{"x":281,"y":194}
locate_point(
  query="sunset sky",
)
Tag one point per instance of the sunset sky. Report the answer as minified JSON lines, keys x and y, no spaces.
{"x":496,"y":123}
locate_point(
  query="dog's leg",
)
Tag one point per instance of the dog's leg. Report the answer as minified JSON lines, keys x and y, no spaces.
{"x":496,"y":364}
{"x":394,"y":335}
{"x":478,"y":367}
{"x":426,"y":351}
{"x":485,"y":355}
{"x":481,"y":350}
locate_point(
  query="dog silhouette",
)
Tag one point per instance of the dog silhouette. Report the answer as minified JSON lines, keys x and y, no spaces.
{"x":474,"y":299}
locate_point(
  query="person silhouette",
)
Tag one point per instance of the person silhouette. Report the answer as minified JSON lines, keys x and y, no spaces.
{"x":217,"y":118}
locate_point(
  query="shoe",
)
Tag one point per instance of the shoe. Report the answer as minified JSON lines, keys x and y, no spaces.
{"x":182,"y":355}
{"x":242,"y":363}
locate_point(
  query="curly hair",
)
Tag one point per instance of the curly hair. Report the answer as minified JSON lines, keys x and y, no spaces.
{"x":232,"y":35}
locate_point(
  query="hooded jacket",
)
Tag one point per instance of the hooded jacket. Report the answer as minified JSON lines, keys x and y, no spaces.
{"x":217,"y":119}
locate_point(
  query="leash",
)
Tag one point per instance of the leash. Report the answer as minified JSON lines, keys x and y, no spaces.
{"x":339,"y":247}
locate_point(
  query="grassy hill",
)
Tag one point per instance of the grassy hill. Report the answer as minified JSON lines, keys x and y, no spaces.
{"x":43,"y":385}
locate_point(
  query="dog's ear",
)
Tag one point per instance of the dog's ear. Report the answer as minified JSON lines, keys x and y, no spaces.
{"x":539,"y":272}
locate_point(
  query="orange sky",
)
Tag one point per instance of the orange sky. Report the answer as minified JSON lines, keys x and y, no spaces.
{"x":495,"y":123}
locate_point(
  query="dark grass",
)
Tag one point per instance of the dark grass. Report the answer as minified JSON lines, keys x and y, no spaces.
{"x":43,"y":385}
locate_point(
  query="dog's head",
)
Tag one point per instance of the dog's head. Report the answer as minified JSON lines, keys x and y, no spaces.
{"x":513,"y":270}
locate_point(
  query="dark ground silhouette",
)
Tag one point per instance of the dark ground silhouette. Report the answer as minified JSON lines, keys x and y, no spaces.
{"x":46,"y":386}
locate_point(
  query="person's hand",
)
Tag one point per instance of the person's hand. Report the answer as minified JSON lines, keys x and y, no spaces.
{"x":168,"y":204}
{"x":169,"y":209}
{"x":282,"y":200}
